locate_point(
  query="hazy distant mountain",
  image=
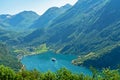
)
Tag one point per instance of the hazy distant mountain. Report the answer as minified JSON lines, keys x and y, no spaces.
{"x":13,"y":26}
{"x":90,"y":26}
{"x":19,"y":21}
{"x":49,"y":15}
{"x":23,"y":19}
{"x":4,"y":17}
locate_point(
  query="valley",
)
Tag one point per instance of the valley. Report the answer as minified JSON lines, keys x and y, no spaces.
{"x":90,"y":30}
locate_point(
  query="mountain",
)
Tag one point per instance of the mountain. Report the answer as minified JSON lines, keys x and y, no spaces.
{"x":68,"y":29}
{"x":109,"y":58}
{"x":19,"y":21}
{"x":14,"y":26}
{"x":7,"y":58}
{"x":108,"y":27}
{"x":23,"y":19}
{"x":90,"y":29}
{"x":50,"y":15}
{"x":90,"y":26}
{"x":3,"y":19}
{"x":2,"y":35}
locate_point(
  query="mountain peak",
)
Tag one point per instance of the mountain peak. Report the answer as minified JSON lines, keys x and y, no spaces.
{"x":50,"y":15}
{"x":5,"y":16}
{"x":52,"y":9}
{"x":28,"y":13}
{"x":67,"y":6}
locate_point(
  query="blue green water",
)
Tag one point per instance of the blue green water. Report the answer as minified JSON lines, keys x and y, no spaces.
{"x":43,"y":63}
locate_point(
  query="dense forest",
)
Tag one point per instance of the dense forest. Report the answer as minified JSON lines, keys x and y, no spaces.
{"x":7,"y":73}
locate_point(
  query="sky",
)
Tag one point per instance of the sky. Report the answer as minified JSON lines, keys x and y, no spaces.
{"x":39,"y":6}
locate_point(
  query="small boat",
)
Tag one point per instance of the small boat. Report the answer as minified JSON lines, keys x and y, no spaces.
{"x":53,"y":59}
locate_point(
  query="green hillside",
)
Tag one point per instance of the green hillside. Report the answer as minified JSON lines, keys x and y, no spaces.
{"x":52,"y":13}
{"x":89,"y":26}
{"x":8,"y":59}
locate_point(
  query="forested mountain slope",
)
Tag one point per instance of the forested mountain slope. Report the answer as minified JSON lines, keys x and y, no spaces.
{"x":46,"y":19}
{"x":90,"y":26}
{"x":7,"y":58}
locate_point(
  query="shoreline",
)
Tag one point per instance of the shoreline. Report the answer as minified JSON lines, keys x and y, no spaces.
{"x":25,"y":55}
{"x":21,"y":56}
